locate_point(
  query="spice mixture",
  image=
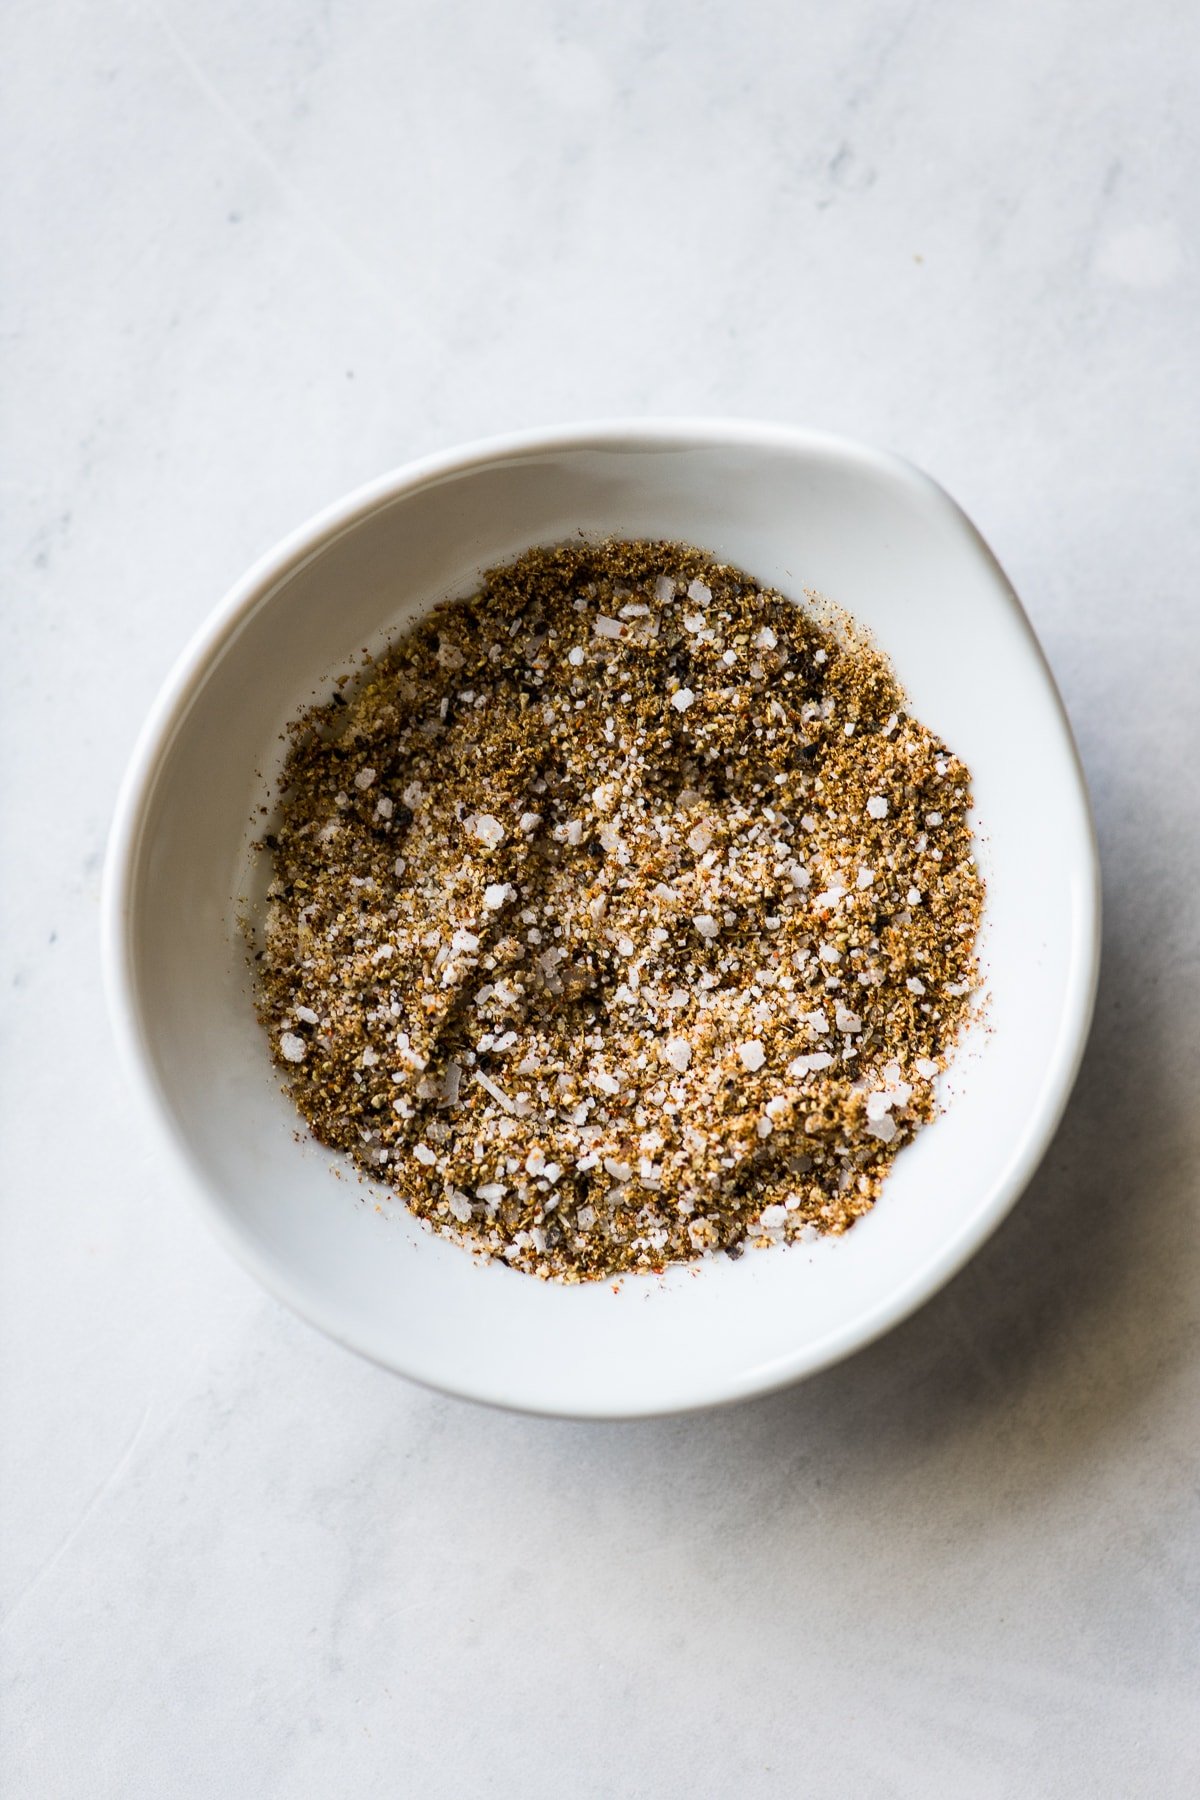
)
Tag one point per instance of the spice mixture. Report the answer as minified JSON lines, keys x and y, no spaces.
{"x":619,"y":914}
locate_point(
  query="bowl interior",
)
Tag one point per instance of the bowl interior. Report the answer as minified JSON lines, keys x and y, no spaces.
{"x":879,"y":540}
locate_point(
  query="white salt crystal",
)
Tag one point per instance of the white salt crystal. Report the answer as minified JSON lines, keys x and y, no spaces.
{"x":424,"y":1155}
{"x":464,"y":941}
{"x":384,"y":808}
{"x":706,"y":925}
{"x":699,"y":838}
{"x":846,"y":1020}
{"x":364,"y":778}
{"x":575,"y":656}
{"x":804,"y":1065}
{"x":460,"y":1206}
{"x":865,"y":877}
{"x":752,"y":1054}
{"x":307,"y":1014}
{"x":608,"y":1084}
{"x":694,"y":622}
{"x":489,"y":1086}
{"x":606,"y":628}
{"x":913,"y":896}
{"x":292,"y":1048}
{"x":915,"y":985}
{"x":877,"y":806}
{"x":925,"y":1067}
{"x":529,"y":821}
{"x":682,"y":700}
{"x":487,"y":829}
{"x":883,"y":1128}
{"x":766,"y":639}
{"x":496,"y":894}
{"x":698,"y":592}
{"x":664,"y":588}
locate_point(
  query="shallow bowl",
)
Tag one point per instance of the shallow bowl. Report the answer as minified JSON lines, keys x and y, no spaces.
{"x":797,"y":510}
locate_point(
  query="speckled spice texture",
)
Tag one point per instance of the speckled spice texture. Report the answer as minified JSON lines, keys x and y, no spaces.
{"x":256,"y":255}
{"x":621,"y":914}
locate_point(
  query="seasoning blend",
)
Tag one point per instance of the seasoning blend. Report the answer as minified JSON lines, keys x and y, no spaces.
{"x":620,"y":914}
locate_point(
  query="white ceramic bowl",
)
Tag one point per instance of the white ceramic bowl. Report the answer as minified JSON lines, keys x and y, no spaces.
{"x":797,"y":510}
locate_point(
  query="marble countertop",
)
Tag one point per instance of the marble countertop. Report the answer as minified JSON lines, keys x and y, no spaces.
{"x":257,"y":255}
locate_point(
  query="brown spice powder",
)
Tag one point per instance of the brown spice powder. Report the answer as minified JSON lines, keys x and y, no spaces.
{"x":620,"y":914}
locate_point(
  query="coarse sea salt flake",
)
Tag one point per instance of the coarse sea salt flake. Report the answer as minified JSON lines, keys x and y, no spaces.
{"x":496,"y":894}
{"x":699,"y":592}
{"x":364,"y":778}
{"x":877,"y":806}
{"x":865,"y":877}
{"x":915,"y":985}
{"x":424,"y":1155}
{"x":805,"y":1065}
{"x":606,"y":628}
{"x":682,"y":699}
{"x":488,"y":829}
{"x":924,"y":1066}
{"x":694,"y":622}
{"x":575,"y":656}
{"x":766,"y":639}
{"x":664,"y":588}
{"x":913,"y":897}
{"x":293,"y":1049}
{"x":752,"y":1054}
{"x":706,"y":925}
{"x":307,"y":1014}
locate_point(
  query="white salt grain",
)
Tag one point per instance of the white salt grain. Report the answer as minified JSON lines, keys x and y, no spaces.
{"x":292,"y":1048}
{"x":877,"y":806}
{"x":682,"y":700}
{"x":752,"y":1054}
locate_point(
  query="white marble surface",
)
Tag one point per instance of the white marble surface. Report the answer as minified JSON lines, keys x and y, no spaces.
{"x":256,"y":254}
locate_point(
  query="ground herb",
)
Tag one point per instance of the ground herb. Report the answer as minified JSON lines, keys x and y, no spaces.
{"x":620,"y":914}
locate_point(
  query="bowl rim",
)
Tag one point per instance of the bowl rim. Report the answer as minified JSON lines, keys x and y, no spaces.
{"x":311,"y":538}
